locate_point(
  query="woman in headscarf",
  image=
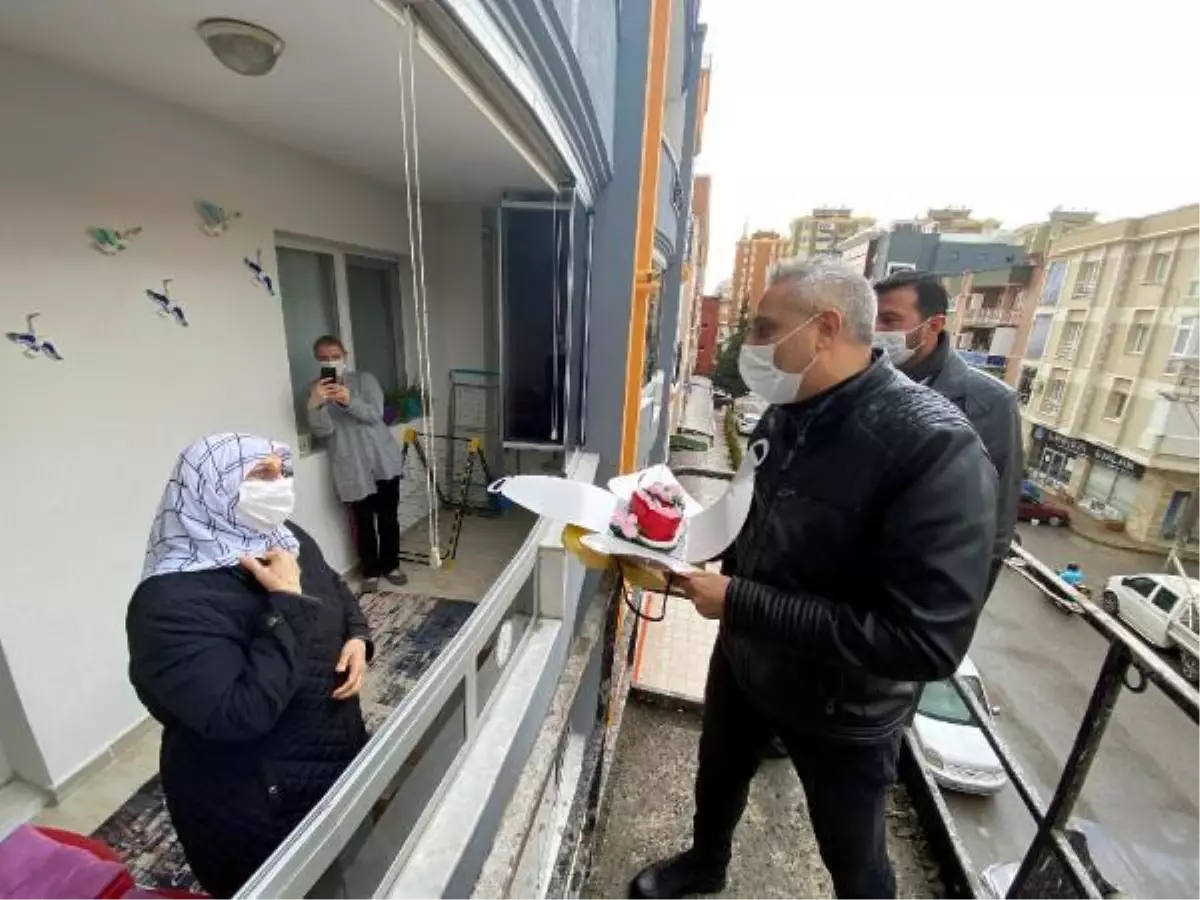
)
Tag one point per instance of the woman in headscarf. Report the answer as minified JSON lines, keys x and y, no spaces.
{"x":250,"y":650}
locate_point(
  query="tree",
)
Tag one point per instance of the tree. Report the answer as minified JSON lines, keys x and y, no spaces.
{"x":726,"y":376}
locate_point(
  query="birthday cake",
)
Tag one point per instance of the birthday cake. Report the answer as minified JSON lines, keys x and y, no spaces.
{"x":652,"y":517}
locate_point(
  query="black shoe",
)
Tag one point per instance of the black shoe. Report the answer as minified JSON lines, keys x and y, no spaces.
{"x":775,"y":750}
{"x":395,"y":578}
{"x":680,"y":876}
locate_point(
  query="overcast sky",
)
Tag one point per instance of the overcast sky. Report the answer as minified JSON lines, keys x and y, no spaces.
{"x":892,"y":107}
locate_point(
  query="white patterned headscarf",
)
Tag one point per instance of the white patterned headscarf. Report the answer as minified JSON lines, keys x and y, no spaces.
{"x":196,"y":527}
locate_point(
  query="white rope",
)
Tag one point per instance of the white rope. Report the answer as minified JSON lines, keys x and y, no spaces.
{"x":416,"y":248}
{"x":556,"y":256}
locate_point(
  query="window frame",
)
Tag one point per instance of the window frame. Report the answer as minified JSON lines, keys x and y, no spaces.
{"x":1129,"y":583}
{"x":401,"y":321}
{"x":1086,"y":287}
{"x":1113,"y":394}
{"x":1157,"y":274}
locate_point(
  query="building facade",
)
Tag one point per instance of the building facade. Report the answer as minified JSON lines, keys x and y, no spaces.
{"x":709,"y":340}
{"x":823,"y":229}
{"x":187,"y":232}
{"x":1108,"y":381}
{"x":752,"y":263}
{"x":905,"y":246}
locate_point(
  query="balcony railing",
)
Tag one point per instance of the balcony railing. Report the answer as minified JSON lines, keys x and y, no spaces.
{"x":992,"y":317}
{"x":670,"y":195}
{"x":1067,"y":350}
{"x":1052,"y":866}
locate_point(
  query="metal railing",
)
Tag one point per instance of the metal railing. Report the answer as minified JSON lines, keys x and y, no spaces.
{"x":1051,"y":864}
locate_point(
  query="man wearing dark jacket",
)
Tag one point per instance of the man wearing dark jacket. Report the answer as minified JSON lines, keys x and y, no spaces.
{"x":859,"y":573}
{"x":910,"y":326}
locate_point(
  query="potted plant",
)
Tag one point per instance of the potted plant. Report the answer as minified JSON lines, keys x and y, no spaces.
{"x":402,"y":405}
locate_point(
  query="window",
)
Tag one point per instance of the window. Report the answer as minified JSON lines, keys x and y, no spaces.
{"x":1085,"y":282}
{"x":534,"y":311}
{"x":366,"y":317}
{"x":1052,"y":402}
{"x":1039,"y":332}
{"x":1156,"y":270}
{"x":1139,"y":332}
{"x":1183,"y":345}
{"x":1141,"y":584}
{"x":1118,"y":398}
{"x":1165,"y":599}
{"x":1055,"y":276}
{"x":1068,"y":344}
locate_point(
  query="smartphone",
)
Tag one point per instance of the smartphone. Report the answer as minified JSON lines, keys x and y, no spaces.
{"x":329,"y":373}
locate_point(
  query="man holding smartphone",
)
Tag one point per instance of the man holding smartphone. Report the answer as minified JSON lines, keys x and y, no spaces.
{"x":345,"y":410}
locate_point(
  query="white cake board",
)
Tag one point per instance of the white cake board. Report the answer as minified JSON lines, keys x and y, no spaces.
{"x":709,"y":530}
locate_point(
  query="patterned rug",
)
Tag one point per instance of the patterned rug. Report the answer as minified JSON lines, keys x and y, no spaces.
{"x":409,"y":631}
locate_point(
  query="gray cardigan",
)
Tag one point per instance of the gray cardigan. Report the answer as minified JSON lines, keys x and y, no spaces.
{"x":361,"y":446}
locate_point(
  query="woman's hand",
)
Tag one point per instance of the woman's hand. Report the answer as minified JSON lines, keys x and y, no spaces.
{"x":278,"y":571}
{"x":339,"y":394}
{"x":353,"y":662}
{"x":321,"y":391}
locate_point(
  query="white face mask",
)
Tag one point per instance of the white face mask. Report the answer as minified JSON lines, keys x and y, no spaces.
{"x":895,"y":344}
{"x":265,"y":505}
{"x":756,"y":365}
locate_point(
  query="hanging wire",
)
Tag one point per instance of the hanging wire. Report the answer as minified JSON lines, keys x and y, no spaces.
{"x":416,"y":249}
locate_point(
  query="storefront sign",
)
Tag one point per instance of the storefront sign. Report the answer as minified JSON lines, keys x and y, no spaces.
{"x":1074,"y":446}
{"x":1118,"y":462}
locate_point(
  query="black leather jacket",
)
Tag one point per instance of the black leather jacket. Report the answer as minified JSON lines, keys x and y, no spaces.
{"x":863,"y":564}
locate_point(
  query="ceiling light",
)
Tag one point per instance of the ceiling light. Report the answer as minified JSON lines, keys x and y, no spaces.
{"x":240,"y":46}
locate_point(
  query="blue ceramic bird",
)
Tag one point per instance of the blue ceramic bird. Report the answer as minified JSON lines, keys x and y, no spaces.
{"x":29,"y":341}
{"x":167,"y":306}
{"x":110,"y":241}
{"x":259,"y":273}
{"x":214,"y":220}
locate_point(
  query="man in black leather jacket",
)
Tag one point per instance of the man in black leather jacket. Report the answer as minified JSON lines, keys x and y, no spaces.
{"x":859,"y":574}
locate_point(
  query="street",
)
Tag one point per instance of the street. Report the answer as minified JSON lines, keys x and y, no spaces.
{"x":1040,"y":667}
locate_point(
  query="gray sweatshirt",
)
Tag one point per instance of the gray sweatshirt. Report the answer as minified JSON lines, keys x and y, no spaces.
{"x":361,"y":446}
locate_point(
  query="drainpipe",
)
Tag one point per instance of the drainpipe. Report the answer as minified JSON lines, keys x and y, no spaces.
{"x":643,"y":274}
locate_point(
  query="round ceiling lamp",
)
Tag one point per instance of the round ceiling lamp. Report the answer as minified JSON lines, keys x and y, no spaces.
{"x":241,"y":47}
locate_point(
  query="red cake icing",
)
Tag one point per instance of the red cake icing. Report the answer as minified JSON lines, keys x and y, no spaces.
{"x":659,"y":513}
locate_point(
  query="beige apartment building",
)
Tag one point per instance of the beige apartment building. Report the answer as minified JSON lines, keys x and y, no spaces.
{"x":751,"y":265}
{"x":1109,"y":380}
{"x":823,"y":229}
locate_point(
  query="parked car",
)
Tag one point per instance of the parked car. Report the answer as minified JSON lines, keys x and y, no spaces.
{"x":954,"y":747}
{"x":1032,"y":508}
{"x":747,"y":422}
{"x":1101,"y":856}
{"x":1163,"y":609}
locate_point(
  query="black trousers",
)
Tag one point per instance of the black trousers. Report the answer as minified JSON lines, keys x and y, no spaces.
{"x":377,"y":529}
{"x":846,"y":785}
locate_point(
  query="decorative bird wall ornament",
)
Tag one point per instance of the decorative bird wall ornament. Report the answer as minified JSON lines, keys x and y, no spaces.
{"x":167,"y":307}
{"x":258,"y":274}
{"x":215,"y":220}
{"x":33,"y":345}
{"x":110,"y":241}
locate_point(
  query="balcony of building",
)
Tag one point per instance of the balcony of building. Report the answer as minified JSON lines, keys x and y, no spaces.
{"x":189,"y":232}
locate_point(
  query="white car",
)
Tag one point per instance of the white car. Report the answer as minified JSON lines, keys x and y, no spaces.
{"x":1163,"y":609}
{"x":747,"y":422}
{"x":954,"y":747}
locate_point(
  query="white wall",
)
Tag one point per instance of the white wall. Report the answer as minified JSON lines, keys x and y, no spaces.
{"x":88,"y":442}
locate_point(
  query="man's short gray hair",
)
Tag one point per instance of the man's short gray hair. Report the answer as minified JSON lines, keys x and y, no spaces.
{"x":826,"y":283}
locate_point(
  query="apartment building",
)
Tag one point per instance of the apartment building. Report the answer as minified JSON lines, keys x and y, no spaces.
{"x":823,"y":229}
{"x":1037,"y":238}
{"x":753,"y":260}
{"x":1109,"y":381}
